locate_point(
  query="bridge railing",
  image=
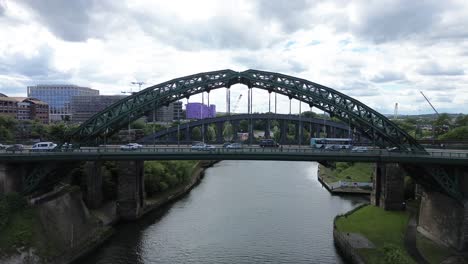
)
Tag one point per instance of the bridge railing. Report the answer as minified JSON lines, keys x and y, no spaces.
{"x":247,"y":150}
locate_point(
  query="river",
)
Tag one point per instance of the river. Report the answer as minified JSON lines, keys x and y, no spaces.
{"x":241,"y":212}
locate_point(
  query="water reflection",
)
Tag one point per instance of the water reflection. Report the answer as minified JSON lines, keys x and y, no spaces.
{"x":242,"y":212}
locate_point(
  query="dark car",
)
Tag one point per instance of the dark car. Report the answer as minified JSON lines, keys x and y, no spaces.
{"x":268,"y":143}
{"x":226,"y":144}
{"x":15,"y":147}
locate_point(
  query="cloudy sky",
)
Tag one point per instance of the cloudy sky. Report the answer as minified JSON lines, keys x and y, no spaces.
{"x":380,"y":52}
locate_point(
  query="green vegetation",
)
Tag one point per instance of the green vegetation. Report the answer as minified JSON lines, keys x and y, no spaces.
{"x":18,"y":224}
{"x":459,"y":133}
{"x":163,"y":175}
{"x":431,"y":251}
{"x":347,"y":171}
{"x":385,"y":229}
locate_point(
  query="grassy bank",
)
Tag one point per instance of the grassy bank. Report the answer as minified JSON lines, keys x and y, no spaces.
{"x":20,"y":227}
{"x":347,"y":171}
{"x":386,"y":229}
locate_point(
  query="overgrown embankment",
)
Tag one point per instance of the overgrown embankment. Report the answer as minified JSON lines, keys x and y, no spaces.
{"x":384,"y":229}
{"x":19,"y":228}
{"x":60,"y":228}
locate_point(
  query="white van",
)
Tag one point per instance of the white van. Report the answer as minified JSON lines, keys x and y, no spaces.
{"x":43,"y":146}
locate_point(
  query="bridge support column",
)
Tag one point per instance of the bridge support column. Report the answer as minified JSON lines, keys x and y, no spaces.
{"x":130,"y":197}
{"x":267,"y":129}
{"x":93,"y":174}
{"x":188,"y":135}
{"x":235,"y":130}
{"x":444,"y":219}
{"x":219,"y":133}
{"x":296,"y":133}
{"x":11,"y":177}
{"x":284,"y":132}
{"x":388,"y":183}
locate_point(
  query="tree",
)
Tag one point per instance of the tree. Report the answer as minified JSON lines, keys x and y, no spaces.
{"x":38,"y":130}
{"x":459,"y":133}
{"x":138,"y":124}
{"x":210,"y":133}
{"x":309,"y":114}
{"x":7,"y":128}
{"x":244,"y":125}
{"x":228,"y":131}
{"x":196,"y":133}
{"x":461,"y":120}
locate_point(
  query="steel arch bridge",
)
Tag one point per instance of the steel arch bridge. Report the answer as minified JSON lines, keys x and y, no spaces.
{"x":368,"y":122}
{"x":335,"y":129}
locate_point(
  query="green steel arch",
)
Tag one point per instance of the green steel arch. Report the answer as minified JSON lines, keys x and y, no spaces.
{"x":368,"y":121}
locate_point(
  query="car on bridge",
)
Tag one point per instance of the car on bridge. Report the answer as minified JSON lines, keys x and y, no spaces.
{"x":226,"y":144}
{"x":234,"y":146}
{"x":268,"y":143}
{"x":131,"y":146}
{"x":43,"y":146}
{"x":2,"y":146}
{"x":359,"y":149}
{"x":202,"y":146}
{"x":15,"y":147}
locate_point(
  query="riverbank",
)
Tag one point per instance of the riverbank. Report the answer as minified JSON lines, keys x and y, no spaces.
{"x":346,"y":178}
{"x":69,"y":231}
{"x":370,"y":234}
{"x":107,"y":214}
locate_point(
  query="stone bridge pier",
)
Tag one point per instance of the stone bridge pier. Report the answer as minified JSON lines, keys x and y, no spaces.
{"x":11,"y":177}
{"x":93,"y":174}
{"x":130,"y":194}
{"x":388,"y":186}
{"x":443,"y":218}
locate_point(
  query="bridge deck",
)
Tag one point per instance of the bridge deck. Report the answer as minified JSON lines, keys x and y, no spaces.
{"x":246,"y":153}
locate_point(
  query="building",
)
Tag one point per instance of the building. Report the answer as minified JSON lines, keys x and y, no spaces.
{"x":59,"y":98}
{"x":83,"y":107}
{"x":167,"y":113}
{"x":24,"y":108}
{"x":200,"y":111}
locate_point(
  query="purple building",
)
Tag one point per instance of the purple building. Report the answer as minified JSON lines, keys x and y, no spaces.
{"x":200,"y":111}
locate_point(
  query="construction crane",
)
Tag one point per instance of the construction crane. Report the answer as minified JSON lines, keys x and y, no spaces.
{"x":429,"y":103}
{"x":237,"y":103}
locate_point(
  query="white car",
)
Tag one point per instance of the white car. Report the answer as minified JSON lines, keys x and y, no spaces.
{"x":202,"y":146}
{"x":234,"y":146}
{"x":131,"y":146}
{"x":359,"y":149}
{"x":43,"y":146}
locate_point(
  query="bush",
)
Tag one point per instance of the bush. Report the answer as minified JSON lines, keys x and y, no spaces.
{"x":10,"y":204}
{"x":161,"y":175}
{"x":394,"y":254}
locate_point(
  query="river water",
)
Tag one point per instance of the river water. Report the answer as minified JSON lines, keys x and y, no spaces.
{"x":241,"y":212}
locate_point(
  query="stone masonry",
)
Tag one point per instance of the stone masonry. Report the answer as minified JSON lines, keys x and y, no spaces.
{"x":130,"y":197}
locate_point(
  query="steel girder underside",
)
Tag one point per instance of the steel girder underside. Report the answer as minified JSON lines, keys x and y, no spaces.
{"x":369,"y":122}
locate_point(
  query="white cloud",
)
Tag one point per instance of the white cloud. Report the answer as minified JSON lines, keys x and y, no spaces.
{"x":379,"y":52}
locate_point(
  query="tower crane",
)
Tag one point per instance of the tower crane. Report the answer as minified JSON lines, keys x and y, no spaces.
{"x":430,"y":103}
{"x":237,"y":103}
